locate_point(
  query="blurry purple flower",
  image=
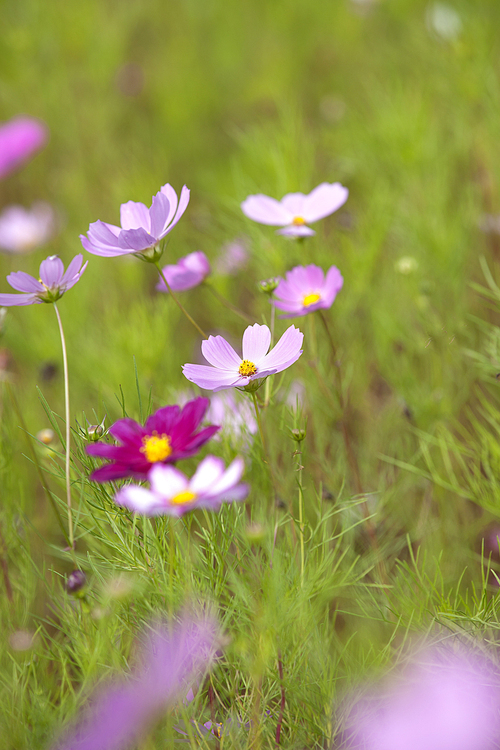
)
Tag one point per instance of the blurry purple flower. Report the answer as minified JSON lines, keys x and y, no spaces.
{"x":23,"y":229}
{"x":187,"y":273}
{"x":141,"y":228}
{"x":306,"y":289}
{"x":229,"y":370}
{"x":169,"y":435}
{"x":446,"y":701}
{"x":120,"y":713}
{"x":20,"y":139}
{"x":51,"y":286}
{"x":296,"y":210}
{"x":234,"y":415}
{"x":233,"y":257}
{"x":172,"y":493}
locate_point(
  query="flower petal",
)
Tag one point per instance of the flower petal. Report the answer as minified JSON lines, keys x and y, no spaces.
{"x":256,"y":343}
{"x":140,"y":500}
{"x":266,"y":210}
{"x":134,"y":216}
{"x":209,"y":471}
{"x":23,"y":282}
{"x":159,"y":213}
{"x":136,"y":240}
{"x":52,"y":271}
{"x":286,"y":352}
{"x":10,"y":300}
{"x":183,"y":204}
{"x":296,"y":230}
{"x":210,"y":378}
{"x":229,"y":478}
{"x":324,"y":200}
{"x":220,"y":353}
{"x":294,"y":204}
{"x":166,"y":481}
{"x":169,"y":192}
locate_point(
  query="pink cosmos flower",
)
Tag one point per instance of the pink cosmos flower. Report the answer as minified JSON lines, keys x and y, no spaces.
{"x":445,"y":701}
{"x":187,"y":273}
{"x":233,"y":257}
{"x":296,"y":210}
{"x":22,"y":229}
{"x":173,"y":494}
{"x":51,"y":286}
{"x":141,"y":228}
{"x":306,"y":289}
{"x":120,"y":713}
{"x":228,"y":370}
{"x":168,"y":435}
{"x":20,"y":139}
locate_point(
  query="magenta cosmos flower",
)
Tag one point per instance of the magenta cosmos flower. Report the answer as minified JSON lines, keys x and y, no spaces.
{"x":20,"y":139}
{"x":23,"y":229}
{"x":306,"y":289}
{"x":168,"y":435}
{"x":50,"y":287}
{"x":172,"y":493}
{"x":444,"y":701}
{"x":187,"y":273}
{"x":141,"y":228}
{"x":296,"y":210}
{"x":121,"y":712}
{"x":228,"y":370}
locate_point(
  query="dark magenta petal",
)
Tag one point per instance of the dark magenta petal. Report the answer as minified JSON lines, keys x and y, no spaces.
{"x":110,"y":472}
{"x":189,"y":448}
{"x":163,"y":420}
{"x":190,"y":417}
{"x":127,"y":430}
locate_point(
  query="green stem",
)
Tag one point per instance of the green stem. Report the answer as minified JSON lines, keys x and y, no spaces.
{"x":301,"y":520}
{"x":259,"y":423}
{"x":68,"y":433}
{"x":179,"y":305}
{"x":218,"y":296}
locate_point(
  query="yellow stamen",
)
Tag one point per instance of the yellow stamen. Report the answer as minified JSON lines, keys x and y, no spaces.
{"x":298,"y":221}
{"x":156,"y":447}
{"x":247,"y":368}
{"x":183,"y":498}
{"x":310,"y":299}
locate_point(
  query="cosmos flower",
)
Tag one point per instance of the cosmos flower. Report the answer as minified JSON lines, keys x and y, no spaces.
{"x":167,"y":436}
{"x":172,"y":493}
{"x":233,"y":257}
{"x":22,"y":229}
{"x":444,"y":701}
{"x":141,"y":228}
{"x":187,"y":273}
{"x":228,"y":370}
{"x":306,"y":289}
{"x":20,"y":139}
{"x":51,"y":286}
{"x":296,"y":210}
{"x":121,"y":712}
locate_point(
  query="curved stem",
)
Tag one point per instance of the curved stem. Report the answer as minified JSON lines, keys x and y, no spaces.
{"x":179,"y":304}
{"x":68,"y":433}
{"x":218,"y":296}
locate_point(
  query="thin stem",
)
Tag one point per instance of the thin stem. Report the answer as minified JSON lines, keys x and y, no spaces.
{"x":301,"y":516}
{"x":179,"y":305}
{"x":218,"y":296}
{"x":259,"y":423}
{"x":282,"y":703}
{"x":68,"y":433}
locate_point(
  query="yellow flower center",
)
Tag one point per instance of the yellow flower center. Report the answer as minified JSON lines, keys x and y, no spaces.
{"x":156,"y":447}
{"x":183,"y":498}
{"x":247,"y":368}
{"x":298,"y":221}
{"x":310,"y":299}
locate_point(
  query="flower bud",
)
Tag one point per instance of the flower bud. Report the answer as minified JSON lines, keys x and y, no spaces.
{"x":77,"y":580}
{"x":298,"y":434}
{"x":255,"y":533}
{"x":269,"y":285}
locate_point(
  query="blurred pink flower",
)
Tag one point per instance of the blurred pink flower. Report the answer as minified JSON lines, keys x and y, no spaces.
{"x":187,"y":273}
{"x":306,"y":289}
{"x":228,"y":370}
{"x":120,"y":713}
{"x":296,"y":210}
{"x":233,"y":257}
{"x":173,"y":494}
{"x":235,"y":416}
{"x":20,"y":139}
{"x":23,"y":229}
{"x":444,"y":701}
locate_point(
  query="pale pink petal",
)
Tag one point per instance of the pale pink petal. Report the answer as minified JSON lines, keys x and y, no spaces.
{"x":266,"y":210}
{"x":296,"y":230}
{"x":286,"y":352}
{"x":23,"y":282}
{"x":51,"y":271}
{"x":196,"y":262}
{"x":139,"y":499}
{"x":294,"y":203}
{"x":167,"y":481}
{"x":210,"y":378}
{"x":324,"y":200}
{"x":9,"y":300}
{"x":134,"y":215}
{"x":159,"y":213}
{"x":333,"y":284}
{"x":228,"y":479}
{"x":219,"y":353}
{"x":256,"y":343}
{"x":209,"y":471}
{"x":168,"y":191}
{"x":73,"y":268}
{"x":313,"y":279}
{"x":183,"y":204}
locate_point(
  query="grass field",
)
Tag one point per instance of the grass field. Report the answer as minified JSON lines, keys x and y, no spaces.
{"x":379,"y":528}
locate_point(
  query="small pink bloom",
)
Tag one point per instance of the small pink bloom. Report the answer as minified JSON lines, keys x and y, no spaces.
{"x":233,"y":257}
{"x":20,"y":139}
{"x":228,"y":370}
{"x":306,"y":289}
{"x":187,"y":273}
{"x":50,"y":287}
{"x":296,"y":210}
{"x":141,"y":228}
{"x":172,"y":493}
{"x":22,"y":229}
